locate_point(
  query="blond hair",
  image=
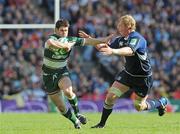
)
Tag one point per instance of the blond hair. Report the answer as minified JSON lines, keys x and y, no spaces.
{"x":128,"y":21}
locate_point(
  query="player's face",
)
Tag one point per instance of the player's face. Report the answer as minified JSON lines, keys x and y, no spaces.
{"x":122,"y":29}
{"x":62,"y":31}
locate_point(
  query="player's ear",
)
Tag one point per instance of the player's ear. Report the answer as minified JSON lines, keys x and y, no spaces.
{"x":130,"y":29}
{"x":55,"y":30}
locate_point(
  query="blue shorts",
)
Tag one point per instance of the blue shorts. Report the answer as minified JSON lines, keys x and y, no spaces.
{"x":140,"y":85}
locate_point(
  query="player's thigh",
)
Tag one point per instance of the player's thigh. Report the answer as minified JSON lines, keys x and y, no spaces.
{"x":122,"y":87}
{"x":122,"y":82}
{"x":116,"y":90}
{"x":65,"y":84}
{"x":50,"y":83}
{"x":142,"y":85}
{"x":58,"y":100}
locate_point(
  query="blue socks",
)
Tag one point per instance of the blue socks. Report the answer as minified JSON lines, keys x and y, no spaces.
{"x":152,"y":104}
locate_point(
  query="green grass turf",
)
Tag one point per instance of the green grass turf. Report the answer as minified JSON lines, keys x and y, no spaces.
{"x":118,"y":123}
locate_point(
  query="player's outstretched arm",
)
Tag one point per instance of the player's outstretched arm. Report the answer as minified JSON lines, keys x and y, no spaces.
{"x":82,"y":34}
{"x":96,"y":41}
{"x":89,"y":40}
{"x":93,"y":41}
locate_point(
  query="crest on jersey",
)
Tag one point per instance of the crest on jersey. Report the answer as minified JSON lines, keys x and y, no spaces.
{"x":120,"y":43}
{"x":133,"y":41}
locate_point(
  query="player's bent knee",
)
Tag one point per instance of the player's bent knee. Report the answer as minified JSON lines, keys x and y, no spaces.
{"x":109,"y":102}
{"x":137,"y":107}
{"x":68,"y":93}
{"x":140,"y":106}
{"x":115,"y":91}
{"x":110,"y":98}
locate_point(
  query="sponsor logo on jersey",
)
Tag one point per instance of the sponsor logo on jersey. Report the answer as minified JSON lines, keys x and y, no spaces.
{"x":133,"y":41}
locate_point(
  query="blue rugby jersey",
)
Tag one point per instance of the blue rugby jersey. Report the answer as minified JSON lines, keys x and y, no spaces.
{"x":137,"y":65}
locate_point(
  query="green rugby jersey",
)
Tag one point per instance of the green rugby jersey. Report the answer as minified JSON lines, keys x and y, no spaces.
{"x":55,"y":58}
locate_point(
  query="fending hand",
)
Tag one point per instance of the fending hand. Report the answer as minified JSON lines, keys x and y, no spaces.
{"x":82,"y":34}
{"x":108,"y":38}
{"x":99,"y":46}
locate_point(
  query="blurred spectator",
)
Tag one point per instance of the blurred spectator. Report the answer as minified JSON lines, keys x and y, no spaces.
{"x":25,"y":12}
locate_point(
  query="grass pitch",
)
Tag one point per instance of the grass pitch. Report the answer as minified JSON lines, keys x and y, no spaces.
{"x":118,"y":123}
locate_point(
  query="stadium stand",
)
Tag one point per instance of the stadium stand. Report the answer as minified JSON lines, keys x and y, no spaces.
{"x":23,"y":12}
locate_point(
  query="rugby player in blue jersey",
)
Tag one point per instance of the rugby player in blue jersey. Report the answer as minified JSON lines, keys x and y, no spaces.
{"x":137,"y":73}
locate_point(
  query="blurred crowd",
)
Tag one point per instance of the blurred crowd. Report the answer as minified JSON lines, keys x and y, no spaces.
{"x":91,"y":73}
{"x":20,"y":62}
{"x":22,"y":12}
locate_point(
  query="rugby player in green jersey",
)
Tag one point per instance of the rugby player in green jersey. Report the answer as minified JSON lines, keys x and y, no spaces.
{"x":55,"y":73}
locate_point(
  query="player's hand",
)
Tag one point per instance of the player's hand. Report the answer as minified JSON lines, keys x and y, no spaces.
{"x":106,"y":50}
{"x":99,"y":46}
{"x":69,"y":46}
{"x":82,"y":34}
{"x":67,"y":49}
{"x":108,"y":38}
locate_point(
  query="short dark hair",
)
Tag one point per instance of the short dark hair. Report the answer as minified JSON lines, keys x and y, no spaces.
{"x":62,"y":23}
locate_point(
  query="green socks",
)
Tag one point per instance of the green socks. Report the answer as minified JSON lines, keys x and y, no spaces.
{"x":74,"y":104}
{"x":70,"y":116}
